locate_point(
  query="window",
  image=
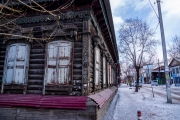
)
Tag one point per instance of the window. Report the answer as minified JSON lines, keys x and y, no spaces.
{"x":173,"y":71}
{"x":16,"y":64}
{"x":104,"y":70}
{"x":177,"y":71}
{"x":110,"y":74}
{"x":58,"y":63}
{"x":97,"y":65}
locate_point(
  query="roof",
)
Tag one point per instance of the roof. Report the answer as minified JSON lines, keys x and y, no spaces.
{"x":40,"y":101}
{"x":101,"y":97}
{"x":161,"y":68}
{"x":109,"y":13}
{"x":174,"y":62}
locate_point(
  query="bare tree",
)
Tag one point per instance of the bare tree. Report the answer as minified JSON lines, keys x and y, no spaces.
{"x":126,"y":70}
{"x":136,"y":42}
{"x":10,"y":13}
{"x":174,"y":49}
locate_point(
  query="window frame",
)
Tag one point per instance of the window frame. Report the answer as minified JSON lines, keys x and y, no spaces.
{"x":58,"y":65}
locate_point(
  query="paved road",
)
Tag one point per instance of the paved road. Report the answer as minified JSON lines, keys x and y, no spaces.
{"x":126,"y":103}
{"x":161,"y":90}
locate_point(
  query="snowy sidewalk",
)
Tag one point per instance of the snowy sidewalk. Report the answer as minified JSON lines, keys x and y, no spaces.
{"x":126,"y":103}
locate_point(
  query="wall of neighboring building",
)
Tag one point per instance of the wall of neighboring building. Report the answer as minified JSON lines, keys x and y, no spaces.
{"x":175,"y":74}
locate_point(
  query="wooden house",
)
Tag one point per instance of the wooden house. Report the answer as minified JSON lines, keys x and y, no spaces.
{"x":174,"y":67}
{"x":58,"y":59}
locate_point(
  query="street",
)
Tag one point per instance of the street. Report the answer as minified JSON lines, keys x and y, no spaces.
{"x":126,"y":103}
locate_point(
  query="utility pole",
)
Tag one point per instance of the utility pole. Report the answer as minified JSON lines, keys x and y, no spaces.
{"x":166,"y":69}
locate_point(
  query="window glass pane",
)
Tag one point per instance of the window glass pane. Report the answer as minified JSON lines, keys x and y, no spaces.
{"x":177,"y":70}
{"x":173,"y":70}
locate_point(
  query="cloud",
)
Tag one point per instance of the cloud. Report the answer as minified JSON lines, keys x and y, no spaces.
{"x":123,"y":9}
{"x":116,"y":4}
{"x":171,"y":17}
{"x":117,"y":22}
{"x":171,"y":7}
{"x":141,"y":4}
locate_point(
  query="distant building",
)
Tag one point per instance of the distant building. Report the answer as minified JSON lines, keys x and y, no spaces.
{"x":174,"y":67}
{"x":158,"y":74}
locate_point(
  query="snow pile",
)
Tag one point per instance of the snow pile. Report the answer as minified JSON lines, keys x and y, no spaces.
{"x":126,"y":103}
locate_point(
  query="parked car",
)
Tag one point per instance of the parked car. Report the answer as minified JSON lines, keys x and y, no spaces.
{"x":139,"y":85}
{"x":154,"y":82}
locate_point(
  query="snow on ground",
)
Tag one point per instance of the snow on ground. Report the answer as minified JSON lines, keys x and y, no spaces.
{"x":126,"y":103}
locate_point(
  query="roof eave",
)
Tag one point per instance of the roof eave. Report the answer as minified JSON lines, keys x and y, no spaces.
{"x":111,"y":26}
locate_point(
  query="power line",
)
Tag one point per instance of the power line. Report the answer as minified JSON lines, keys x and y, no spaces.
{"x":156,"y":27}
{"x":154,"y":10}
{"x":156,"y":15}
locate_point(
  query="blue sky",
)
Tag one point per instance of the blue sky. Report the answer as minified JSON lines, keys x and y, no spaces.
{"x":125,"y":9}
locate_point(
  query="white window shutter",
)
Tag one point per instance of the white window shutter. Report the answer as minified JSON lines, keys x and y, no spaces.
{"x":51,"y":63}
{"x":10,"y":63}
{"x":64,"y":63}
{"x":97,"y":66}
{"x":107,"y":73}
{"x":21,"y":64}
{"x":110,"y":76}
{"x":16,"y":64}
{"x":104,"y":70}
{"x":58,"y":63}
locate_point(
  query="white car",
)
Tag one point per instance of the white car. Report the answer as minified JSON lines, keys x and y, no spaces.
{"x":154,"y":82}
{"x":139,"y":85}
